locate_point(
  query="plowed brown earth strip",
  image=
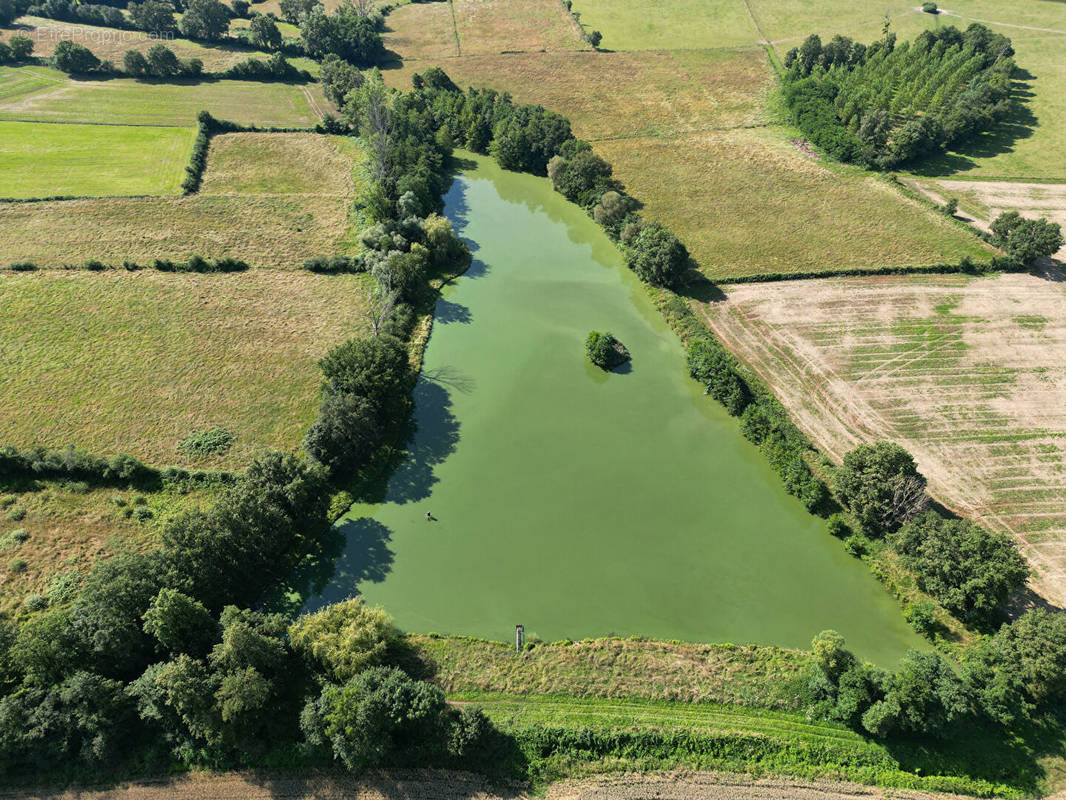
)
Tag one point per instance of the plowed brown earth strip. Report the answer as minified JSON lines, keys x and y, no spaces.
{"x":968,"y":374}
{"x":429,"y":785}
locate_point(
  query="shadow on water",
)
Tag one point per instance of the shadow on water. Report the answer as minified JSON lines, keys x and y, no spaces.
{"x":351,"y":553}
{"x":436,"y":436}
{"x":448,"y":312}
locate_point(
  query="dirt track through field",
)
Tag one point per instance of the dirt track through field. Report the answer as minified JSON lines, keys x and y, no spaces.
{"x":1029,"y":199}
{"x":967,"y":374}
{"x":428,"y":785}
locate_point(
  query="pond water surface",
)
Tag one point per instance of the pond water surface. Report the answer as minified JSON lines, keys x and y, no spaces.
{"x":582,"y":503}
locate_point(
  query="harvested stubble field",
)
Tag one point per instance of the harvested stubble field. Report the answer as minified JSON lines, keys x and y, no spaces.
{"x":41,"y":94}
{"x":481,"y":27}
{"x":966,"y":373}
{"x":272,"y":199}
{"x":136,"y":362}
{"x":111,"y":43}
{"x":746,"y":202}
{"x":88,"y":160}
{"x":616,"y":95}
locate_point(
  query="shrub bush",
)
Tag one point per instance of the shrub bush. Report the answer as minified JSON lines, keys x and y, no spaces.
{"x":657,"y":256}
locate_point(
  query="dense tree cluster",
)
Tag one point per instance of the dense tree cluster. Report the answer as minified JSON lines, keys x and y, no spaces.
{"x":1000,"y":681}
{"x":16,"y":49}
{"x":205,"y":19}
{"x":1025,"y":240}
{"x":346,"y":33}
{"x":885,"y":104}
{"x":881,"y":486}
{"x":74,"y":58}
{"x":160,"y":62}
{"x":106,"y":16}
{"x":971,"y":571}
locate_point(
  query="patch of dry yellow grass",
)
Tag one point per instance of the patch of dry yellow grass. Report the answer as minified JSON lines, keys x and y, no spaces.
{"x":746,"y":202}
{"x":617,"y":95}
{"x":135,"y":362}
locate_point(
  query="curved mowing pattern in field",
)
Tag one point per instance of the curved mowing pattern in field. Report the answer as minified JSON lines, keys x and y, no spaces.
{"x":40,"y":94}
{"x":966,"y":373}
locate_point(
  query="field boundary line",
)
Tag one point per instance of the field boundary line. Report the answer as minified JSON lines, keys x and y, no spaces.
{"x":455,"y":30}
{"x":758,"y":27}
{"x":100,"y":124}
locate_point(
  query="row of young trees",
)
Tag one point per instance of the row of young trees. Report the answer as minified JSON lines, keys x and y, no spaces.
{"x":885,"y":104}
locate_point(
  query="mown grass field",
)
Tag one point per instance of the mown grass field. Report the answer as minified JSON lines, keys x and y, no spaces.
{"x":44,"y":160}
{"x":481,"y":27}
{"x":42,"y":94}
{"x":966,"y":373}
{"x":136,"y":362}
{"x":272,"y":200}
{"x":678,"y":25}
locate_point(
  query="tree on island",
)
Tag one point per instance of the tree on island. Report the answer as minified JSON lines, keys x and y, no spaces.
{"x":605,"y":351}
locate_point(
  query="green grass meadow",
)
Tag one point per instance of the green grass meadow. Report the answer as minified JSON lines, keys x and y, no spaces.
{"x":41,"y":94}
{"x":91,"y":160}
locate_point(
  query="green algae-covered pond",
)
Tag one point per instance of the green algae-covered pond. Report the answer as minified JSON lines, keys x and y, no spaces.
{"x":582,"y":503}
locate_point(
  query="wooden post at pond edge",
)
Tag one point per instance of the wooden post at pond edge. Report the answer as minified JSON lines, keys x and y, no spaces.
{"x":519,"y":637}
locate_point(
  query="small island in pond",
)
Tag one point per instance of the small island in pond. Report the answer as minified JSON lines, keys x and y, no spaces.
{"x":605,"y":351}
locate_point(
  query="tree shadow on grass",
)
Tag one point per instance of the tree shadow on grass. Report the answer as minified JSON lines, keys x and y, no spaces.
{"x":986,"y":751}
{"x":1019,"y":124}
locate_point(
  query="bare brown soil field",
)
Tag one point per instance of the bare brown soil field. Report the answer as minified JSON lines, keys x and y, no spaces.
{"x":747,"y":202}
{"x":432,"y":785}
{"x":119,"y":362}
{"x":273,"y":200}
{"x":480,"y":27}
{"x":112,"y":44}
{"x":616,"y":95}
{"x":722,"y":786}
{"x":968,"y":374}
